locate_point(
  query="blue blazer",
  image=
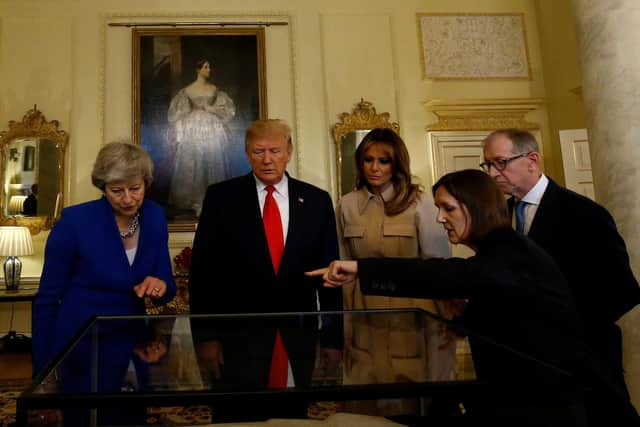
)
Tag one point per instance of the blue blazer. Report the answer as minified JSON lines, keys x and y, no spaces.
{"x":86,"y":272}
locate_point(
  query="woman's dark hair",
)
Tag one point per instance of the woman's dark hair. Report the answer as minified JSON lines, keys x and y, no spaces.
{"x":200,"y":63}
{"x":484,"y":200}
{"x":405,"y":191}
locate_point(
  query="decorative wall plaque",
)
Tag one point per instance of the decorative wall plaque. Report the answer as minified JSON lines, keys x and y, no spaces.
{"x":473,"y":46}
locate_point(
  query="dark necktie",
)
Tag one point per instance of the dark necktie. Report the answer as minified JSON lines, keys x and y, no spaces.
{"x":275,"y":239}
{"x":520,"y":216}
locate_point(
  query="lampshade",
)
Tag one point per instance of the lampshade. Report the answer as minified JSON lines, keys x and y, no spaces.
{"x":15,"y":241}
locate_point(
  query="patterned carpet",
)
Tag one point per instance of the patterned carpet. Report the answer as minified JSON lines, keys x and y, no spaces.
{"x":167,"y":416}
{"x":172,"y":416}
{"x":9,"y":391}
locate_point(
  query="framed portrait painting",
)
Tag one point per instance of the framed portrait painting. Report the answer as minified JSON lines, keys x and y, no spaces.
{"x":195,"y":91}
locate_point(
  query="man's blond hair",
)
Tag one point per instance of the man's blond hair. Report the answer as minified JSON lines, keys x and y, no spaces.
{"x":268,"y":128}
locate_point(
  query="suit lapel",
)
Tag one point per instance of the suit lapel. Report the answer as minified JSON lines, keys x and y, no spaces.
{"x":249,"y":215}
{"x":296,"y":206}
{"x":112,"y":235}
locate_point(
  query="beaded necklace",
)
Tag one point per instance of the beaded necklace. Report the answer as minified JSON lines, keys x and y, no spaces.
{"x":132,"y":227}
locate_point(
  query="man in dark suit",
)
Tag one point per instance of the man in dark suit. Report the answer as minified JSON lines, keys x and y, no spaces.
{"x":579,"y":234}
{"x":30,"y":206}
{"x":234,"y":269}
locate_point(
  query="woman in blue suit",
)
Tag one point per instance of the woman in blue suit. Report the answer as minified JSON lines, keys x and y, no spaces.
{"x":103,"y":257}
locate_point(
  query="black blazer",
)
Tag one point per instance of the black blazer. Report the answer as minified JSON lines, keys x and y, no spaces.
{"x":231,"y":270}
{"x":517,"y":297}
{"x":582,"y":238}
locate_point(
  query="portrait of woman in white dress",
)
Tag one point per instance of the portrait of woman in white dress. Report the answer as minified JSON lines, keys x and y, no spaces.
{"x":197,"y":92}
{"x":198,"y":117}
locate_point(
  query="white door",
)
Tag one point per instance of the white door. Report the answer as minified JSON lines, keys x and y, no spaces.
{"x":576,"y":161}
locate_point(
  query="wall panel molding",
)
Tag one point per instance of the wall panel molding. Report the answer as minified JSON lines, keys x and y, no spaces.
{"x":482,"y":114}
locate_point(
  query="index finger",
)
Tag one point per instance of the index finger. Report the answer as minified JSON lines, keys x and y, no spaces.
{"x":318,"y":272}
{"x":139,"y":289}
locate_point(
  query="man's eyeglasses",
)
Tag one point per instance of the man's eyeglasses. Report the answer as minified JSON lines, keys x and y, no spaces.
{"x":501,"y":164}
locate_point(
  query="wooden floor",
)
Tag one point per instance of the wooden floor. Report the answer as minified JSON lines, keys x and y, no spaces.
{"x":15,"y":366}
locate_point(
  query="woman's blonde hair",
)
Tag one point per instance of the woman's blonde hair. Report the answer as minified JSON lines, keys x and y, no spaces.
{"x":121,"y":161}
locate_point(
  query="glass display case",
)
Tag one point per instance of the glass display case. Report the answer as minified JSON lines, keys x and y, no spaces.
{"x":118,"y":367}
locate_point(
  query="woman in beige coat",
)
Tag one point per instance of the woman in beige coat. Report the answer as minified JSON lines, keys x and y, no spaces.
{"x":389,"y":216}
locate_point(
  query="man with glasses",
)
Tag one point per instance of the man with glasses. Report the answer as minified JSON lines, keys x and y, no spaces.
{"x":579,"y":234}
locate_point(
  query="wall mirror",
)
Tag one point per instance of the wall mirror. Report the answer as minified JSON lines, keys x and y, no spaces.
{"x":348,"y":133}
{"x":32,"y":171}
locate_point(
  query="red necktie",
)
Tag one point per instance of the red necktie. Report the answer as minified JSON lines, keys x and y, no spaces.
{"x":273,"y":230}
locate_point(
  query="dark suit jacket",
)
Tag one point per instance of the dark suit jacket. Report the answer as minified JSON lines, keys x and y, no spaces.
{"x":516,"y":297}
{"x":231,"y":270}
{"x":581,"y":237}
{"x":30,"y":206}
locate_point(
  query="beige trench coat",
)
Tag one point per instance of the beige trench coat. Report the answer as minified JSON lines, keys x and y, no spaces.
{"x":386,"y":349}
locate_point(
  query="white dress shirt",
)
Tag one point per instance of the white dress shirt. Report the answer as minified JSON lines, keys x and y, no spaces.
{"x":281,"y":195}
{"x":532,"y":198}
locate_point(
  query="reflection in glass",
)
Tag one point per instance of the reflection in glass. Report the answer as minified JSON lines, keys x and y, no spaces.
{"x":157,"y":361}
{"x":165,"y":350}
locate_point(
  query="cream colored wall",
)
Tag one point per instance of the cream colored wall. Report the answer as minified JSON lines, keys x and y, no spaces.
{"x":62,"y":56}
{"x":561,"y":70}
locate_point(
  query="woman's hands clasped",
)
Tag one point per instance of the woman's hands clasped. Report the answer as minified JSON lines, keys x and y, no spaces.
{"x":151,"y":287}
{"x":337,"y":274}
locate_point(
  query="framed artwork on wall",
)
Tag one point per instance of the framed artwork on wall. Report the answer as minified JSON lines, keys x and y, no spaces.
{"x":473,"y":46}
{"x":29,"y":158}
{"x":195,"y":91}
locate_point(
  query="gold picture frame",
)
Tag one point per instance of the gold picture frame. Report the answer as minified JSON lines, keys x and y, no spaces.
{"x":348,"y":133}
{"x":40,"y":144}
{"x":192,"y":124}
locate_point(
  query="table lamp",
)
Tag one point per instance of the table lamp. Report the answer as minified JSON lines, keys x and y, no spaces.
{"x":14,"y":242}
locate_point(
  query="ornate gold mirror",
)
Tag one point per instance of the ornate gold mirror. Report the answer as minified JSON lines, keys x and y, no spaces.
{"x":32,"y":171}
{"x":347,"y":135}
